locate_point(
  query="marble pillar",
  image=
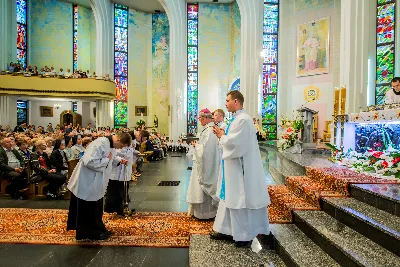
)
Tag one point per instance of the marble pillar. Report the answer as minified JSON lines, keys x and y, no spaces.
{"x":8,"y":29}
{"x":104,"y":114}
{"x":251,"y":12}
{"x":8,"y":111}
{"x":357,"y":52}
{"x":176,"y":12}
{"x":104,"y":16}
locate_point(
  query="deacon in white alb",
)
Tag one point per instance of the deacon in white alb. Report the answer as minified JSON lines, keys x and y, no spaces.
{"x":88,"y":184}
{"x":202,"y":192}
{"x":242,"y":212}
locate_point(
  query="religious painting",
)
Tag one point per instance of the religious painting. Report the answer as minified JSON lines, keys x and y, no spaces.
{"x":140,"y":110}
{"x":46,"y":111}
{"x":313,"y":47}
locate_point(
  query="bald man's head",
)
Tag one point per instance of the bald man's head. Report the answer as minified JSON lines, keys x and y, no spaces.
{"x":7,"y":143}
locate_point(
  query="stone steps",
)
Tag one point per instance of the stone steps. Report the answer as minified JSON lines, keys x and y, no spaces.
{"x":381,"y":227}
{"x":343,"y":244}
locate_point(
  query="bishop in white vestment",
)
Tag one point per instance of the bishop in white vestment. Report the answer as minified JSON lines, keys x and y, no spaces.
{"x":242,"y":212}
{"x":202,"y":192}
{"x":88,"y":184}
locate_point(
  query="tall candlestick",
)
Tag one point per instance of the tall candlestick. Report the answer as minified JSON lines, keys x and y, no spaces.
{"x":342,"y":100}
{"x":336,"y":103}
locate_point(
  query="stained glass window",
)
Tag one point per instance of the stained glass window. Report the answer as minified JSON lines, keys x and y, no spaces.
{"x":75,"y":37}
{"x":385,"y":48}
{"x":22,"y":112}
{"x":270,"y":68}
{"x":121,"y":14}
{"x":192,"y":56}
{"x":22,"y":45}
{"x":75,"y":107}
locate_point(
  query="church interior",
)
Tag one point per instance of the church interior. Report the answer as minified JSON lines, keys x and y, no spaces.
{"x":320,"y":81}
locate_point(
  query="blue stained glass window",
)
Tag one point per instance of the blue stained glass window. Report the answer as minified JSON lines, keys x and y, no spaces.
{"x":270,"y":68}
{"x":22,"y":112}
{"x":22,"y":46}
{"x":121,"y":16}
{"x":192,"y":67}
{"x":75,"y":107}
{"x":75,"y":37}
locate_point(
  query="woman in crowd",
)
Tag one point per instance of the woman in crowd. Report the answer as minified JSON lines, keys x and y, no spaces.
{"x":41,"y":166}
{"x":23,"y":150}
{"x":77,"y":148}
{"x":58,"y":158}
{"x":69,"y":142}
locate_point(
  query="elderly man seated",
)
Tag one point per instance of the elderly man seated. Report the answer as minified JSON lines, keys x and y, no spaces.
{"x":12,"y":167}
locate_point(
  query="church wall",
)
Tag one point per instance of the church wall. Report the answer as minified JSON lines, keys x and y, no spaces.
{"x":92,"y":43}
{"x":34,"y":111}
{"x":84,"y":38}
{"x":160,"y":72}
{"x":215,"y":38}
{"x":235,"y":43}
{"x":291,"y":88}
{"x":51,"y":34}
{"x":139,"y":59}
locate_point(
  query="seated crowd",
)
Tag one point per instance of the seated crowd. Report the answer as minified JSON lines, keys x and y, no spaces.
{"x":29,"y":155}
{"x":46,"y":71}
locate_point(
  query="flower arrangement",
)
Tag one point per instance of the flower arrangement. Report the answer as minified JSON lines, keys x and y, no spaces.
{"x":383,"y":164}
{"x":291,"y":130}
{"x":140,"y":123}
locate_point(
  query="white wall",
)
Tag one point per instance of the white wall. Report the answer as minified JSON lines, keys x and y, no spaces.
{"x":290,"y":87}
{"x":34,"y":112}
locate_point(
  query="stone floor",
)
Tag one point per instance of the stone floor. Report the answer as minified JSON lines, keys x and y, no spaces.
{"x":145,"y":195}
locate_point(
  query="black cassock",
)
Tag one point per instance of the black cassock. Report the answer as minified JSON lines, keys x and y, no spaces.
{"x":86,"y":218}
{"x":115,"y":197}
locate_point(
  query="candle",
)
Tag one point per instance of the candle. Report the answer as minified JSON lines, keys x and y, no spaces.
{"x":342,"y":100}
{"x":336,"y":103}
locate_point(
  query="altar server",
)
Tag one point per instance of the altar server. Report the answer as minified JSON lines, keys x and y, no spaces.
{"x":121,"y":172}
{"x":219,"y":117}
{"x":202,"y":192}
{"x":242,"y":212}
{"x":88,"y":184}
{"x":393,"y":95}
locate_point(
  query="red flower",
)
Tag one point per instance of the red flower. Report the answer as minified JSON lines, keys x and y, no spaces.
{"x":385,"y":164}
{"x":285,"y":136}
{"x":396,"y":161}
{"x":377,"y":154}
{"x":370,"y":150}
{"x":289,"y":130}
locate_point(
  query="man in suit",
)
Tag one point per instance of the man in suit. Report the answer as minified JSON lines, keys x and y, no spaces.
{"x":12,"y":167}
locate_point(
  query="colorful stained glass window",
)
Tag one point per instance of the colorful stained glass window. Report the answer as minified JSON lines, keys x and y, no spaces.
{"x":75,"y":36}
{"x":192,"y":68}
{"x":121,"y":14}
{"x":22,"y":112}
{"x":75,"y":107}
{"x":385,"y":48}
{"x":22,"y":46}
{"x":270,"y":68}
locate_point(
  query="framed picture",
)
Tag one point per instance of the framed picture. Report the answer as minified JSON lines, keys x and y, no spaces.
{"x":313,"y":47}
{"x":46,"y":111}
{"x":140,"y":110}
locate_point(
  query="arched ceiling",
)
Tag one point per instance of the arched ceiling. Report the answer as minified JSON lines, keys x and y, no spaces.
{"x":144,"y":5}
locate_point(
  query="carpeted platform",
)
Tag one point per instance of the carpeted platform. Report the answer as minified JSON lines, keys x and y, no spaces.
{"x":145,"y":229}
{"x":305,"y":192}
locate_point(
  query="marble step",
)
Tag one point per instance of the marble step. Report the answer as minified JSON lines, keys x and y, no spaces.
{"x":343,"y":244}
{"x":379,"y":226}
{"x":205,"y":252}
{"x":385,"y":197}
{"x":296,"y":249}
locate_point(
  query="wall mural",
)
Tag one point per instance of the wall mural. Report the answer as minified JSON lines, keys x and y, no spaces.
{"x":51,"y":23}
{"x":84,"y":36}
{"x":160,"y":69}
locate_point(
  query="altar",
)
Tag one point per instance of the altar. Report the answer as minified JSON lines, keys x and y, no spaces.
{"x":375,"y":129}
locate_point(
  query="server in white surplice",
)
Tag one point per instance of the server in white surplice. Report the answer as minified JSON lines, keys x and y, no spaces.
{"x":88,"y":184}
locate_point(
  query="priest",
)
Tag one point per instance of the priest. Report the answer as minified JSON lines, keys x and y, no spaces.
{"x":242,"y":188}
{"x":202,"y":192}
{"x":88,"y":184}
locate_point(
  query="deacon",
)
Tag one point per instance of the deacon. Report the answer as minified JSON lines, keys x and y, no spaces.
{"x":202,"y":192}
{"x":218,"y":117}
{"x":88,"y":184}
{"x":242,"y":212}
{"x":118,"y":186}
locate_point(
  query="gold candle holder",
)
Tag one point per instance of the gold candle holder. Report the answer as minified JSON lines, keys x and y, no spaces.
{"x":342,"y":100}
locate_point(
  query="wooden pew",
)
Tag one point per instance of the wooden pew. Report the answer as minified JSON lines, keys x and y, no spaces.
{"x":143,"y":153}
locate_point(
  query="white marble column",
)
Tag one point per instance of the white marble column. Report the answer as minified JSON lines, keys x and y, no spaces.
{"x":103,"y":11}
{"x":251,"y":12}
{"x":176,"y":12}
{"x":8,"y":111}
{"x":104,"y":114}
{"x":357,"y":45}
{"x":8,"y":30}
